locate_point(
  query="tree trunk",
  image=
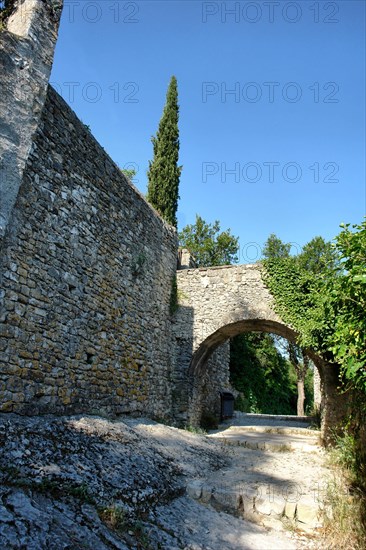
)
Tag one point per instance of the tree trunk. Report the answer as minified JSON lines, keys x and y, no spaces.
{"x":300,"y":396}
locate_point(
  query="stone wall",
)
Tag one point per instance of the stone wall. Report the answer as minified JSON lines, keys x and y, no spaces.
{"x":86,"y":273}
{"x":204,"y":405}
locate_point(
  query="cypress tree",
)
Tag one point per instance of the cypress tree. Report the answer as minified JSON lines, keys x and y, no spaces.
{"x":164,"y":172}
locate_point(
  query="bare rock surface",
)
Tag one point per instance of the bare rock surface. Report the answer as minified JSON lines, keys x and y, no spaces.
{"x":89,"y":482}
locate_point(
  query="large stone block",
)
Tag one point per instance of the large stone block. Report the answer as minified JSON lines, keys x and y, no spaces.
{"x":271,"y":506}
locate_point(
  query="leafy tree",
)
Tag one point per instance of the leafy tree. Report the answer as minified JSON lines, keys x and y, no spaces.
{"x":275,"y":248}
{"x":345,"y":303}
{"x":164,"y":172}
{"x":208,"y":245}
{"x":329,"y":310}
{"x":317,"y":256}
{"x":261,"y":373}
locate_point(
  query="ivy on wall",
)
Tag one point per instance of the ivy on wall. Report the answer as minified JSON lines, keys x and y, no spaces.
{"x":297,"y":298}
{"x":328,"y":309}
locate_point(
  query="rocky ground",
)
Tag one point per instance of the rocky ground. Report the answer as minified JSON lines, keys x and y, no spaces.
{"x":89,"y":482}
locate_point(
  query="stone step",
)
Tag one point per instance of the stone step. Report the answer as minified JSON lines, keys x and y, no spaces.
{"x":260,"y":505}
{"x":258,"y":440}
{"x":273,"y":417}
{"x":268,"y":429}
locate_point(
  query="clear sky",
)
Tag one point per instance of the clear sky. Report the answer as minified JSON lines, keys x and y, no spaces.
{"x":272,"y":105}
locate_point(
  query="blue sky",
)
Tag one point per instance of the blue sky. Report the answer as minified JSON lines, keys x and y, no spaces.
{"x":272,"y":105}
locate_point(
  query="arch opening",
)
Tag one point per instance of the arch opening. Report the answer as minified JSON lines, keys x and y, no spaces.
{"x":201,"y":356}
{"x":208,"y":378}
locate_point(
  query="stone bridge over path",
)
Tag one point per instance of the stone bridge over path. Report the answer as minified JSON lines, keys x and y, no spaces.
{"x":217,"y":304}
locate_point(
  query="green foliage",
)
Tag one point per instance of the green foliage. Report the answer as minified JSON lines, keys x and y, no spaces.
{"x":309,"y":391}
{"x":346,"y":493}
{"x":344,"y":514}
{"x":208,"y":245}
{"x":164,"y":172}
{"x":346,"y":305}
{"x":317,"y":256}
{"x":316,"y":413}
{"x":297,"y":298}
{"x":115,"y":517}
{"x":344,"y":452}
{"x":275,"y":248}
{"x":247,"y":404}
{"x":261,"y":374}
{"x":327,"y":308}
{"x":253,"y":403}
{"x":130,"y":174}
{"x":208,"y":422}
{"x":55,"y":487}
{"x":195,"y":430}
{"x":241,"y":403}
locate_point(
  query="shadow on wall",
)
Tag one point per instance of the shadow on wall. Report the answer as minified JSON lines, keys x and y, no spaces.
{"x":182,"y":328}
{"x":196,"y":396}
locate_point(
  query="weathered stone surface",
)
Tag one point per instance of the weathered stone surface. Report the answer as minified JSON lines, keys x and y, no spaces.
{"x":194,"y":489}
{"x":290,"y":509}
{"x":225,"y":499}
{"x":307,"y":512}
{"x":271,"y":506}
{"x":59,"y":476}
{"x":206,"y":493}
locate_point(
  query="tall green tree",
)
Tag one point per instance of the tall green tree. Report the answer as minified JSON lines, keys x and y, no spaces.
{"x":317,"y":256}
{"x":275,"y":248}
{"x":208,"y":245}
{"x":164,"y":172}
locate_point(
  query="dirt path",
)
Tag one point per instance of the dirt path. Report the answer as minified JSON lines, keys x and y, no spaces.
{"x":89,"y":482}
{"x":268,"y":495}
{"x":277,"y":472}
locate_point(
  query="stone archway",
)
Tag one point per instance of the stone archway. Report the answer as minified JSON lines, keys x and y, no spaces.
{"x":204,"y":378}
{"x":206,"y":348}
{"x":216,"y":304}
